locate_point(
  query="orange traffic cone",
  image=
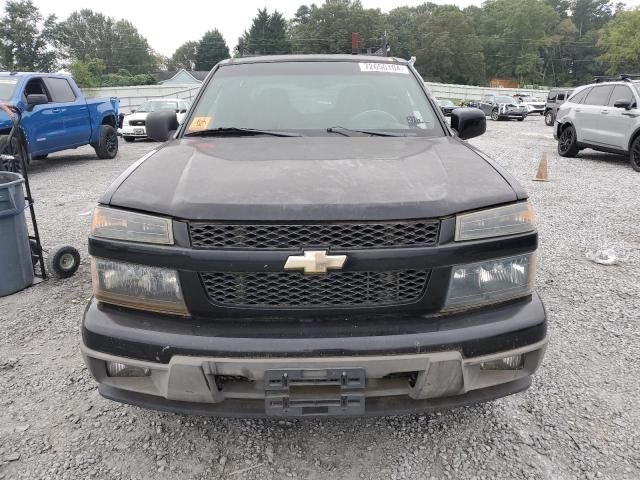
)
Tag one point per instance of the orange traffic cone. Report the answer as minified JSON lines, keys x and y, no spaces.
{"x":541,"y":176}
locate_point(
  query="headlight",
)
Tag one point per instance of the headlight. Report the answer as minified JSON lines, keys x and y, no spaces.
{"x":495,"y":222}
{"x":134,"y":227}
{"x":137,"y":286}
{"x":491,"y":281}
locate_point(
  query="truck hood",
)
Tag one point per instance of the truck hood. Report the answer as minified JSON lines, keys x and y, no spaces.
{"x":311,"y":178}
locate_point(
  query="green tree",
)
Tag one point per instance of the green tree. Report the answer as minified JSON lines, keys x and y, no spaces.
{"x":619,"y":43}
{"x":517,"y":35}
{"x":401,"y":25}
{"x":26,"y":38}
{"x":562,"y":7}
{"x":87,"y":74}
{"x":301,"y":16}
{"x":267,"y":35}
{"x":448,"y":47}
{"x":184,"y":57}
{"x":86,"y":34}
{"x":590,"y":14}
{"x":211,"y":49}
{"x":132,"y":51}
{"x":328,"y":29}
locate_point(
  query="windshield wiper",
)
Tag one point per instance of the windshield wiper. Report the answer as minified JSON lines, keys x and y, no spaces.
{"x":238,"y":131}
{"x":376,"y":133}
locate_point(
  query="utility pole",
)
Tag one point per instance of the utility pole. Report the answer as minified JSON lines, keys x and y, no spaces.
{"x":385,"y":45}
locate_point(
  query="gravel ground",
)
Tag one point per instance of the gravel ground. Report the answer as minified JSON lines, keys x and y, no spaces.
{"x":579,"y":420}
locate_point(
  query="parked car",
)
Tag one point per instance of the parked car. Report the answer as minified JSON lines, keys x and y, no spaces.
{"x":134,"y":124}
{"x":56,"y":116}
{"x":502,"y":107}
{"x":469,"y":103}
{"x":446,"y":106}
{"x":313,"y":240}
{"x":533,"y":104}
{"x":556,"y":97}
{"x":603,"y":116}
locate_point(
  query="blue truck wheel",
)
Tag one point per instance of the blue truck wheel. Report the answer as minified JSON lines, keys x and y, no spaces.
{"x":107,"y":146}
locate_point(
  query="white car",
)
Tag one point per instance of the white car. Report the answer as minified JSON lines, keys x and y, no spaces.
{"x":134,"y":124}
{"x":533,"y":104}
{"x":602,"y":116}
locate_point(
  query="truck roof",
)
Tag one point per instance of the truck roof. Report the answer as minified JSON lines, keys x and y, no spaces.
{"x":28,"y":74}
{"x":314,"y":58}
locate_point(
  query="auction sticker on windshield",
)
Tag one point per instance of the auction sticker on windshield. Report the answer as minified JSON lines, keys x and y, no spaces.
{"x":199,"y":123}
{"x":383,"y":67}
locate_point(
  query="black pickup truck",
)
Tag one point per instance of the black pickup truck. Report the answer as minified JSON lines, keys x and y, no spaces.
{"x":314,"y":239}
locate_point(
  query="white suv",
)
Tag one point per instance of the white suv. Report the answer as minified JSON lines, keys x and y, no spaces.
{"x":603,"y":116}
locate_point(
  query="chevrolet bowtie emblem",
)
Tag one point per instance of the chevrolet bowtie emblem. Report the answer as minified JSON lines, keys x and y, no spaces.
{"x":315,"y":262}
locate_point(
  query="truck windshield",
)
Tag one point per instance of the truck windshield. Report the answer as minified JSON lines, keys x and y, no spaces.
{"x":7,"y":86}
{"x":157,"y":106}
{"x":310,"y":97}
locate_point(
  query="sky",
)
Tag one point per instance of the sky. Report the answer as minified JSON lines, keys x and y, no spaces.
{"x":169,"y":24}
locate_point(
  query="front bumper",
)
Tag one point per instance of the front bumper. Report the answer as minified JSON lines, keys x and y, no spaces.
{"x":513,"y":114}
{"x":132,"y":131}
{"x":208,"y":369}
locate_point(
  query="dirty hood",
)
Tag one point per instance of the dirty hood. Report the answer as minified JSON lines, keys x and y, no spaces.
{"x":311,"y":178}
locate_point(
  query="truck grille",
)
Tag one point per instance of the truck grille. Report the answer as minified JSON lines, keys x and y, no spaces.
{"x":295,"y":290}
{"x":336,"y":236}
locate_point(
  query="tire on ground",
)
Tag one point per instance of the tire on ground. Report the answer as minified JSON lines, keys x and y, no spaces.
{"x":634,"y":154}
{"x":107,"y":146}
{"x":13,"y":149}
{"x":567,"y":142}
{"x":63,"y":261}
{"x":549,"y":118}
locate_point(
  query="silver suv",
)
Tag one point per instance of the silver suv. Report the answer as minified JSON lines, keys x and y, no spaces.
{"x":603,"y":116}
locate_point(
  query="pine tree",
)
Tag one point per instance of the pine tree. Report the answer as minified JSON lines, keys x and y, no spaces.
{"x":267,"y":35}
{"x":211,"y":49}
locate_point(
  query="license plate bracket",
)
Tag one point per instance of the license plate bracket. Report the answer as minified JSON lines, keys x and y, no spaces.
{"x":315,"y":392}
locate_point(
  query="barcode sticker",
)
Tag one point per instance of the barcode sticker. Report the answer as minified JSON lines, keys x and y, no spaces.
{"x":383,"y":67}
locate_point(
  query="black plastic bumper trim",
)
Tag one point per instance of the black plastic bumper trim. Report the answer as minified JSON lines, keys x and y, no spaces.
{"x":145,"y":336}
{"x":376,"y":406}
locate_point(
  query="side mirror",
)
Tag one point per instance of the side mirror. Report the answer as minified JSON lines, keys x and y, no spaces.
{"x":36,"y":99}
{"x":468,"y":122}
{"x":161,"y":125}
{"x":626,"y":104}
{"x":133,"y":110}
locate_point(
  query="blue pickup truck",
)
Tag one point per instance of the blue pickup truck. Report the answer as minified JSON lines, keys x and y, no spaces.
{"x":56,"y":116}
